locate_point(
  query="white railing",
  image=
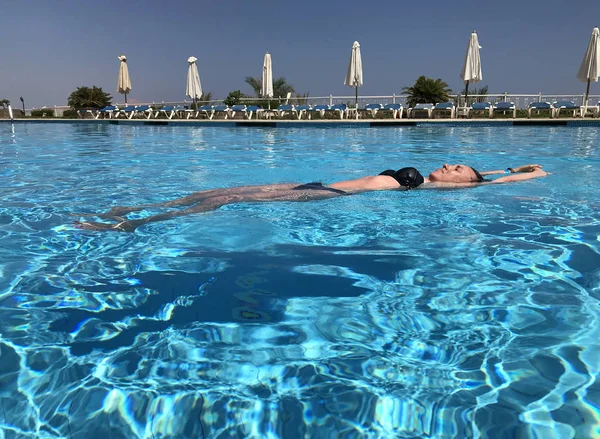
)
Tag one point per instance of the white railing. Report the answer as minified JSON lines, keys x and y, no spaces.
{"x":522,"y":101}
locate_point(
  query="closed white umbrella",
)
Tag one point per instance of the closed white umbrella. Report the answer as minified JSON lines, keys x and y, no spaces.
{"x":354,"y":77}
{"x":267,"y":77}
{"x":193,"y":88}
{"x":590,"y":66}
{"x":471,"y":71}
{"x":124,"y":83}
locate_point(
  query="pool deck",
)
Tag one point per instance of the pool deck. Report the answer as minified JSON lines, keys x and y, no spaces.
{"x":350,"y":123}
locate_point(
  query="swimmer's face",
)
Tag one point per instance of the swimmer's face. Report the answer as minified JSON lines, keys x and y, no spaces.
{"x":453,"y":174}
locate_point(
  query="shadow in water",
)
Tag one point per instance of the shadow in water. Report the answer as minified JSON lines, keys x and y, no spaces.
{"x":254,"y":287}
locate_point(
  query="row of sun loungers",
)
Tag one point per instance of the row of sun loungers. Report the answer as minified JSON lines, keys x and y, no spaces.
{"x":170,"y":112}
{"x":341,"y":110}
{"x":225,"y":112}
{"x":488,"y":109}
{"x":555,"y":108}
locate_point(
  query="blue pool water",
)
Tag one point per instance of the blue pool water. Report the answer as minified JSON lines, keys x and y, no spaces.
{"x":420,"y":314}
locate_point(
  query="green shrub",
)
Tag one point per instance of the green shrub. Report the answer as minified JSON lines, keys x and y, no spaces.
{"x":89,"y":97}
{"x":427,"y":90}
{"x":234,"y":98}
{"x":44,"y":112}
{"x":70,"y":114}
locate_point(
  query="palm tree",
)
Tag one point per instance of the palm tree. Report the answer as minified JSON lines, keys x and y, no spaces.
{"x":481,"y":93}
{"x":89,"y":97}
{"x":427,"y":90}
{"x":280,"y":86}
{"x":302,"y":99}
{"x":255,"y":83}
{"x":5,"y":103}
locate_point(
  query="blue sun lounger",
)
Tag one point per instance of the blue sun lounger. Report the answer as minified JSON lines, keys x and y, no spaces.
{"x":444,"y":108}
{"x":206,"y":110}
{"x":484,"y":107}
{"x":239,"y":108}
{"x":321,"y":109}
{"x":373,"y":109}
{"x":539,"y":107}
{"x":566,"y":105}
{"x":396,"y":109}
{"x":504,"y":107}
{"x":284,"y":109}
{"x":341,"y":109}
{"x":302,"y":110}
{"x":189,"y":112}
{"x":143,"y":110}
{"x":253,"y":110}
{"x":127,"y":112}
{"x":106,"y":111}
{"x":421,"y":108}
{"x":170,"y":111}
{"x":220,"y":109}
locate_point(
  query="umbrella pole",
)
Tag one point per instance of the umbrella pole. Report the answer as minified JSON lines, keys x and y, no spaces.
{"x":125,"y":99}
{"x":356,"y":100}
{"x":467,"y":94}
{"x":587,"y":93}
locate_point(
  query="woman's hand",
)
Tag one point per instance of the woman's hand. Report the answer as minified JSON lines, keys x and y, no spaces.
{"x":539,"y":171}
{"x":522,"y":175}
{"x":525,"y":168}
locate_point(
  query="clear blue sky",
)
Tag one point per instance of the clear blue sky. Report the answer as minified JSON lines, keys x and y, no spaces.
{"x":49,"y":47}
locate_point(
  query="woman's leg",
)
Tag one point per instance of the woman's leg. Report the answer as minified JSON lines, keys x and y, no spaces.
{"x":208,"y":204}
{"x":131,"y":225}
{"x":118,"y":211}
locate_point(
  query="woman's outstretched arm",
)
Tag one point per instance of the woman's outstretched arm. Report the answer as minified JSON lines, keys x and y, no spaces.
{"x":524,"y":168}
{"x":536,"y":173}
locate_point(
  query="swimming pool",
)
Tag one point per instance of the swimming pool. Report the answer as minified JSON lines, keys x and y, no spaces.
{"x":457,"y":313}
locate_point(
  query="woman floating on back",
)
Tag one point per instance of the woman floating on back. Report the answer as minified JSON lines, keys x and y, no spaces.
{"x":448,"y":176}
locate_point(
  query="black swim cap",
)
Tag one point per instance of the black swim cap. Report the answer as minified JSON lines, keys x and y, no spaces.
{"x":407,"y":177}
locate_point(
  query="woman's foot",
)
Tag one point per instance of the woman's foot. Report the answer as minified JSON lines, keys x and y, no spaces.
{"x":120,"y":211}
{"x":91,"y":225}
{"x":124,"y":226}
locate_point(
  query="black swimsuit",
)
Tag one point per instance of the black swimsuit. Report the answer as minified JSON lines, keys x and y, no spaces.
{"x":407,"y":177}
